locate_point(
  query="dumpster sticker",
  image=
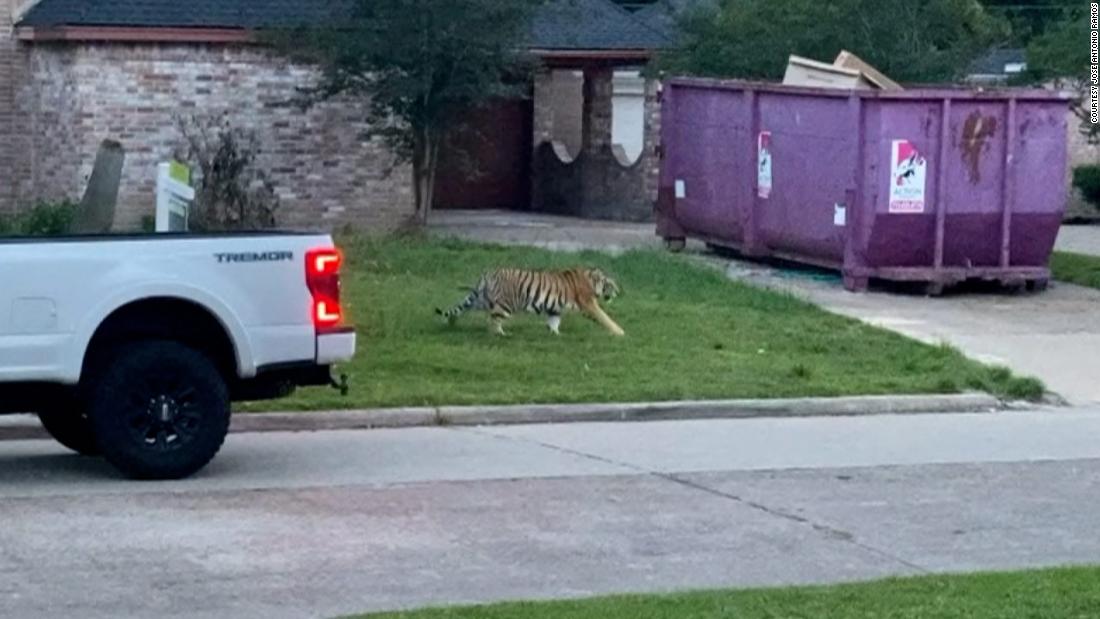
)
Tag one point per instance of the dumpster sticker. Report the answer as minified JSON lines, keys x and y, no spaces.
{"x":764,"y":164}
{"x":681,"y":190}
{"x":840,"y":214}
{"x":907,"y":182}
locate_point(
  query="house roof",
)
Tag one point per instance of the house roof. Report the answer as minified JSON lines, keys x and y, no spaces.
{"x":592,"y":24}
{"x":558,"y":24}
{"x":243,"y":14}
{"x":662,"y":15}
{"x":994,"y":61}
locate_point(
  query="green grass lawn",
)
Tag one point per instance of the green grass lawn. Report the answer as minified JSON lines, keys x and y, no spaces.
{"x":1052,"y":594}
{"x":1076,"y":268}
{"x":691,"y":333}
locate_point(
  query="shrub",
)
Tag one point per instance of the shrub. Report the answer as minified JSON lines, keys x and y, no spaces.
{"x":43,"y":219}
{"x":231,"y":193}
{"x":1087,"y":179}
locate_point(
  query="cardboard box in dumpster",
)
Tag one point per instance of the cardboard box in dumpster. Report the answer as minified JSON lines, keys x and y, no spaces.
{"x":848,"y":71}
{"x":848,"y":60}
{"x":806,"y":72}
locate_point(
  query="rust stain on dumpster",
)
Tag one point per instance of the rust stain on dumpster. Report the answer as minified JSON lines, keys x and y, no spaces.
{"x":976,"y":131}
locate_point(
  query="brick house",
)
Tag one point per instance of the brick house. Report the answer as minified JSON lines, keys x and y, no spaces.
{"x":74,"y":72}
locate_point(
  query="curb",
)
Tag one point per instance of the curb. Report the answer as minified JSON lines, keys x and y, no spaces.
{"x":27,"y":427}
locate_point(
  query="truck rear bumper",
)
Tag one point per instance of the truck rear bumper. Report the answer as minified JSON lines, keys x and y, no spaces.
{"x":336,"y":346}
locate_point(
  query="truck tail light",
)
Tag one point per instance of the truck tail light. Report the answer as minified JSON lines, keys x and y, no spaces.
{"x":323,"y":279}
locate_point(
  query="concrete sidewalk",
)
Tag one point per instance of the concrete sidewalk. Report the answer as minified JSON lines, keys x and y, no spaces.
{"x":1054,"y":336}
{"x":1081,"y":239}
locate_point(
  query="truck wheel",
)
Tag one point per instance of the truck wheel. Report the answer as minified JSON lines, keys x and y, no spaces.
{"x":160,"y":410}
{"x":70,"y":427}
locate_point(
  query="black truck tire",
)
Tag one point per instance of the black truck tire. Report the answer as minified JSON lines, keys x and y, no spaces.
{"x":69,"y":425}
{"x":159,"y":409}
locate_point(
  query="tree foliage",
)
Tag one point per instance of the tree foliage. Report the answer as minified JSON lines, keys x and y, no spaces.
{"x":1061,"y":56}
{"x":928,"y":41}
{"x":416,"y":66}
{"x":1029,"y":18}
{"x":231,"y":192}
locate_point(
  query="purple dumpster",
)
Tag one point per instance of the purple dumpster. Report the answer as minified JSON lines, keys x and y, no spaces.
{"x":935,"y":186}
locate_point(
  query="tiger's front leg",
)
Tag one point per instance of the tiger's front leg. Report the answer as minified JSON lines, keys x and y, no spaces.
{"x":554,"y":321}
{"x":594,"y":310}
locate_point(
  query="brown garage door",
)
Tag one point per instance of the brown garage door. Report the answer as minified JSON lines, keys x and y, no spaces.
{"x":486,"y":164}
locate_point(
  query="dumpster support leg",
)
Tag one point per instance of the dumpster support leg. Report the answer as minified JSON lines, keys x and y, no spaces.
{"x":1009,"y":191}
{"x":856,"y":283}
{"x":750,"y":229}
{"x":854,"y":269}
{"x":941,"y":183}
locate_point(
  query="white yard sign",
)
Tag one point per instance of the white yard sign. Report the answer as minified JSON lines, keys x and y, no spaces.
{"x":174,"y":197}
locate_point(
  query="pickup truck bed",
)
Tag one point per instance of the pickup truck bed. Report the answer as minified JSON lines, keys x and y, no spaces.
{"x":133,"y":346}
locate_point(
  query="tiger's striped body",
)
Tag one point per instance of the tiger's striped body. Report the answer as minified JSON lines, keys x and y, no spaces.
{"x":503,"y":292}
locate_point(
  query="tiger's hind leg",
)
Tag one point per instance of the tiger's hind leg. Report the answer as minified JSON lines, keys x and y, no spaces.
{"x":497,"y":316}
{"x":594,"y":311}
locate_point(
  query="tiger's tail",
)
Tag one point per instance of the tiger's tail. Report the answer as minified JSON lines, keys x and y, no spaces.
{"x":468,"y":303}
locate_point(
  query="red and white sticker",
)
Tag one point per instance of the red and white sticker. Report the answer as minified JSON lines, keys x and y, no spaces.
{"x":908,"y":175}
{"x":764,"y":164}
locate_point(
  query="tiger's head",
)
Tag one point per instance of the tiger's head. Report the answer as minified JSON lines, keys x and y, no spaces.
{"x":603,"y":285}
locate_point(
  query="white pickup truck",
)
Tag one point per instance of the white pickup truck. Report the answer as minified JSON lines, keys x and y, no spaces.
{"x":133,"y":347}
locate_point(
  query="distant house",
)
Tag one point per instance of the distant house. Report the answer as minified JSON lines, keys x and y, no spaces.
{"x":998,"y":66}
{"x":73,"y":72}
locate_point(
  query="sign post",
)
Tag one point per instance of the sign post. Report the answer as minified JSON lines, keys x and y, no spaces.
{"x":174,"y":197}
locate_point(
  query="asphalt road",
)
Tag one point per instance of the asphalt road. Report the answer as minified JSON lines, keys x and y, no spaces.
{"x":328,"y":523}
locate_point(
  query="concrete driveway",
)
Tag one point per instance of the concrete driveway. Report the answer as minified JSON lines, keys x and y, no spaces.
{"x":538,"y":230}
{"x":1054,"y":336}
{"x":329,"y":523}
{"x":1081,"y":239}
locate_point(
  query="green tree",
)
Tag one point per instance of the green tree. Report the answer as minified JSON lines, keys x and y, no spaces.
{"x":416,"y":66}
{"x":1030,"y":18}
{"x":928,"y":41}
{"x":1061,"y":56}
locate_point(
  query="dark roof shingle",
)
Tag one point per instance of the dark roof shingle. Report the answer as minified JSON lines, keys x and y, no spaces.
{"x":558,"y":24}
{"x":592,"y":24}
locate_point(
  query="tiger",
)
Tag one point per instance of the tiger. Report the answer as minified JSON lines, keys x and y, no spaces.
{"x":505,"y":291}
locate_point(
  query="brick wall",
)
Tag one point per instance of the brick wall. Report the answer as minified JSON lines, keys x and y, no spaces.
{"x":559,"y":99}
{"x":1080,"y":153}
{"x":652,"y":138}
{"x":7,"y":104}
{"x":71,"y":97}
